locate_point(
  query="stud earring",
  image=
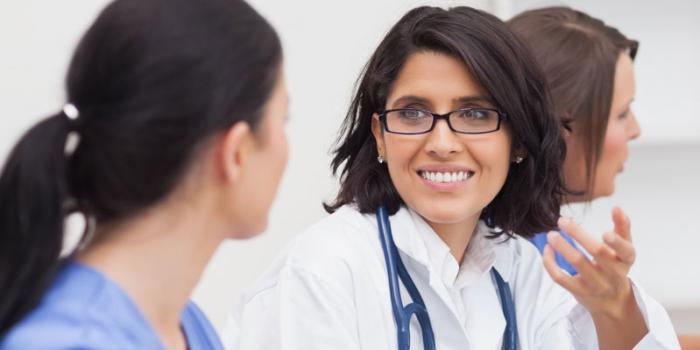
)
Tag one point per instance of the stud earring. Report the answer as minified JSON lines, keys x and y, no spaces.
{"x":380,"y":159}
{"x":519,"y":159}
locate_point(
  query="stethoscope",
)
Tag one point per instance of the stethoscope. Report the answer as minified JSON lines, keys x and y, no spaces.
{"x":402,"y":314}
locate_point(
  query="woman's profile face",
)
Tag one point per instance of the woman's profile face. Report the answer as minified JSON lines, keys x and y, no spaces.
{"x":446,"y":177}
{"x":265,"y":166}
{"x":622,"y":128}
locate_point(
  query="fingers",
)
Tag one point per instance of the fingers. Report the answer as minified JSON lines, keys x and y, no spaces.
{"x":576,"y":258}
{"x":621,"y":239}
{"x":600,"y":278}
{"x":596,"y":248}
{"x":624,"y":249}
{"x":559,"y":276}
{"x":622,"y":223}
{"x":613,"y":249}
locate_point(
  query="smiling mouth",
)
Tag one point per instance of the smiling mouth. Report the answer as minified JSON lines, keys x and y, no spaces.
{"x":446,"y":177}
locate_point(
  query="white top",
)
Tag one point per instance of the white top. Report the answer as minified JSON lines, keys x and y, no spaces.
{"x":329,"y":290}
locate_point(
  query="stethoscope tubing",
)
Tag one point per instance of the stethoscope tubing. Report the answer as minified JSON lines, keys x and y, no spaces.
{"x":395,"y":270}
{"x":402,"y":314}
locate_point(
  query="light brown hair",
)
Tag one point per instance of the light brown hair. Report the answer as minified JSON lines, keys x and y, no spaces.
{"x":578,"y":54}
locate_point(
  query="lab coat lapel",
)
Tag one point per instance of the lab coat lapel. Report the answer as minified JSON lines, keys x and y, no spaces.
{"x":411,"y":248}
{"x":441,"y":308}
{"x":484,"y":321}
{"x":414,"y":252}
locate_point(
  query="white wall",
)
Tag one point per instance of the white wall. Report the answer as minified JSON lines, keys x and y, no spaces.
{"x":37,"y":38}
{"x":326,"y":43}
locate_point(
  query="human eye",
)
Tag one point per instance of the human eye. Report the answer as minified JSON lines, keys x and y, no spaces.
{"x":475,"y":114}
{"x":624,"y":114}
{"x":411,"y":114}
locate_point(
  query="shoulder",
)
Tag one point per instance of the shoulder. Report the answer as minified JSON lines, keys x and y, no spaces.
{"x":335,"y":237}
{"x":519,"y":254}
{"x":538,"y":294}
{"x":200,"y":332}
{"x":527,"y":251}
{"x":60,"y":326}
{"x":526,"y":272}
{"x":317,"y":273}
{"x":329,"y":252}
{"x":527,"y":268}
{"x":80,"y":310}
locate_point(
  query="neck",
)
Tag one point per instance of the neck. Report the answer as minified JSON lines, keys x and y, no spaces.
{"x":456,"y":235}
{"x":157,"y":258}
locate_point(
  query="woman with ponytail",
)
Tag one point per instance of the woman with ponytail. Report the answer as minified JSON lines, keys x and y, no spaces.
{"x":172,"y":142}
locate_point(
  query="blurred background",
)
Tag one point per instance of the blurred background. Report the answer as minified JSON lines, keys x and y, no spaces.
{"x":326,"y":44}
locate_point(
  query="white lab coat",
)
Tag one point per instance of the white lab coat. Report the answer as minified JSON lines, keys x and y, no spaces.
{"x":329,"y":290}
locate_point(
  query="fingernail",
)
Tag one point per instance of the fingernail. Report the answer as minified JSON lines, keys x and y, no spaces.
{"x":551,"y":235}
{"x":563,"y":221}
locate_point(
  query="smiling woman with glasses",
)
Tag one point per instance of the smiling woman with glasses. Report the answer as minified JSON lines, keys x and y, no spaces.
{"x":449,"y":155}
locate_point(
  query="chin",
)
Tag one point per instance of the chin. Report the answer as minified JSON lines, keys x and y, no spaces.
{"x":604,"y":191}
{"x":444,"y":214}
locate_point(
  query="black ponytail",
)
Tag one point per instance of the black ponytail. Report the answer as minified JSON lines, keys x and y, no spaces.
{"x":153,"y":80}
{"x":33,"y":190}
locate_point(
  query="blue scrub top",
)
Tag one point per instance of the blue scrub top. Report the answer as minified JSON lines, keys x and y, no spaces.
{"x":83,"y":309}
{"x":540,"y":240}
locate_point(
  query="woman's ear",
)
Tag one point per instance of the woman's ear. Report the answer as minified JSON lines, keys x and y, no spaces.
{"x":236,"y":145}
{"x":378,"y":132}
{"x":519,"y":154}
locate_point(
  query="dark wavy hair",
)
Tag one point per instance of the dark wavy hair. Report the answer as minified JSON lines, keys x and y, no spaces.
{"x":153,"y":81}
{"x":501,"y":64}
{"x":578,"y":54}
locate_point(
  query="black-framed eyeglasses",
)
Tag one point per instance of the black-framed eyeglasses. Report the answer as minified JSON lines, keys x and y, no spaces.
{"x":413,"y":121}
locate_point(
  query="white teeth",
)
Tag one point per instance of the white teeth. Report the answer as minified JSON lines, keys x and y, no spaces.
{"x":445,"y":177}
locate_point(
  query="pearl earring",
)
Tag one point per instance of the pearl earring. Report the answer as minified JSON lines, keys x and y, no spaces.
{"x":380,"y":159}
{"x":519,"y":159}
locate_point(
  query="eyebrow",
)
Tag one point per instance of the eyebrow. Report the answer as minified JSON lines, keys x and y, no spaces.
{"x":474,"y":99}
{"x":460,"y":100}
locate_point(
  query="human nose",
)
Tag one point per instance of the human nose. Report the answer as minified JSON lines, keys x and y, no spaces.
{"x":442,"y":141}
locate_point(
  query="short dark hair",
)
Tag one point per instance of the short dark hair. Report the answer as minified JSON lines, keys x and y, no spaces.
{"x":530,"y":198}
{"x":153,"y":81}
{"x":578,"y":54}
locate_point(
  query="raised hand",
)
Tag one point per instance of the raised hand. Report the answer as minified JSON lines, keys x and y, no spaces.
{"x":601,"y":285}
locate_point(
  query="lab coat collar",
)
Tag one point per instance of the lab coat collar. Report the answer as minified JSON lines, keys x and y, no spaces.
{"x":421,"y":247}
{"x":418,"y":241}
{"x":406,"y":232}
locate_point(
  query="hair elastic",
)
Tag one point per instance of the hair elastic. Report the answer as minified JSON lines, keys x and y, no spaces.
{"x":73,"y":138}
